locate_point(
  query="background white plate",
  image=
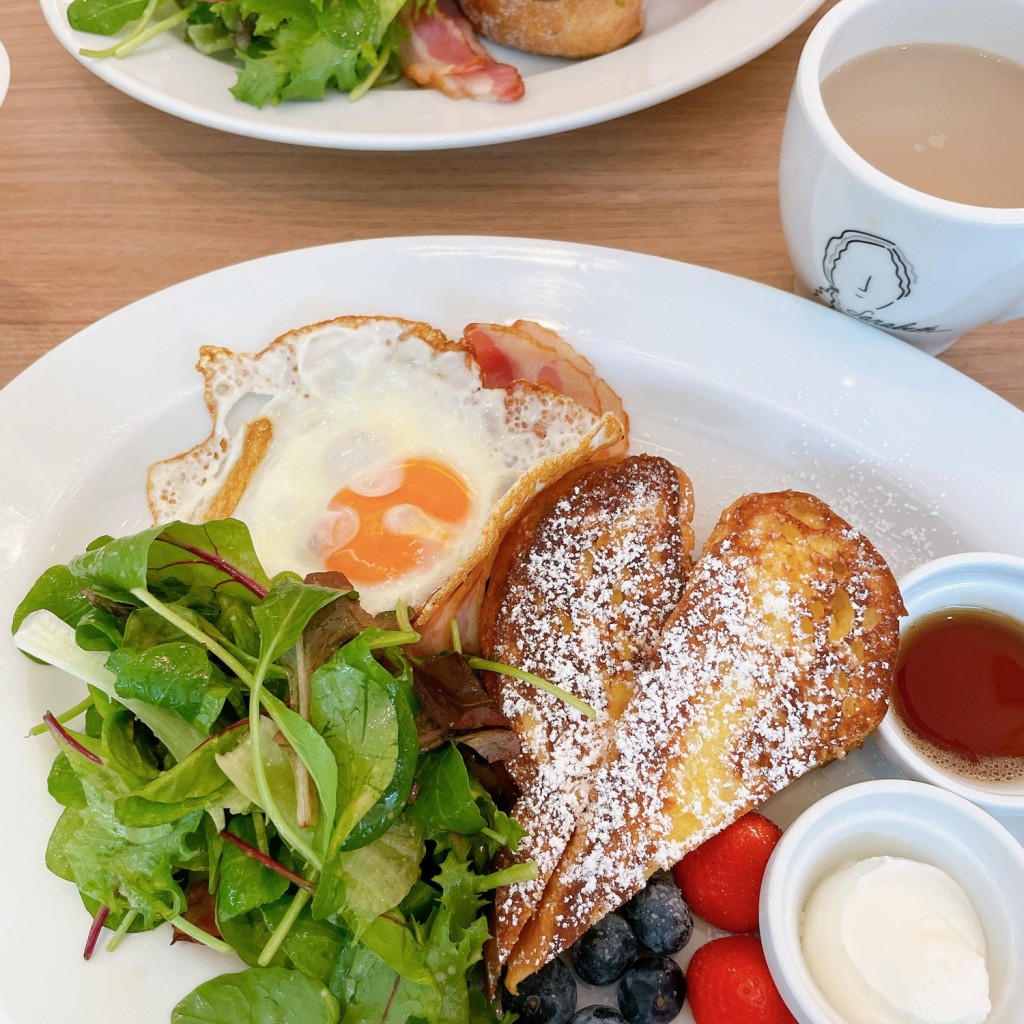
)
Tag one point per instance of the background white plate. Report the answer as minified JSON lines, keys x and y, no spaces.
{"x":685,"y":43}
{"x":5,"y":72}
{"x":744,"y":386}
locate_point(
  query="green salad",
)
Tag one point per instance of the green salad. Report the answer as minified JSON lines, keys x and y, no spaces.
{"x":251,"y":763}
{"x":287,"y":49}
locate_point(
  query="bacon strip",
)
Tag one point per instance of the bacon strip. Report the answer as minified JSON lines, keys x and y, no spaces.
{"x":523,"y":351}
{"x":528,"y":351}
{"x":442,"y":52}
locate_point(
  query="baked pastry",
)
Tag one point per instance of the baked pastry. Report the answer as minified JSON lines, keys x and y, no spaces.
{"x":558,"y":28}
{"x":777,"y":660}
{"x":579,"y":593}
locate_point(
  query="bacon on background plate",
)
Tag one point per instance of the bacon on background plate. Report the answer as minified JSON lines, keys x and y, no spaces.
{"x":442,"y":52}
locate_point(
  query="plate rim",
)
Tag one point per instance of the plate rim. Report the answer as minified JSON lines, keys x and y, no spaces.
{"x":507,"y":127}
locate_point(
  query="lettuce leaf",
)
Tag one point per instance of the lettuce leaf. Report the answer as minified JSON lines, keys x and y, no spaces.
{"x":260,"y":995}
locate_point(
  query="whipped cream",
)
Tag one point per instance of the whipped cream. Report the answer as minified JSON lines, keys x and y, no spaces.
{"x":893,"y":941}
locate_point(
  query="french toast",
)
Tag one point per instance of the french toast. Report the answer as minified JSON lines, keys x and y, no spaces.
{"x":578,"y":594}
{"x":777,"y":660}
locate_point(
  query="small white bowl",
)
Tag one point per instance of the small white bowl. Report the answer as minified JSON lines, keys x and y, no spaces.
{"x":899,"y":818}
{"x":978,"y":580}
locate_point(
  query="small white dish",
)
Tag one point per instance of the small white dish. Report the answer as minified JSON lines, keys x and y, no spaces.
{"x":984,"y":580}
{"x":5,"y":72}
{"x":899,"y":818}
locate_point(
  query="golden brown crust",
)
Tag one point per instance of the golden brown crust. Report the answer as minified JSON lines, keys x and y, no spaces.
{"x":255,"y":444}
{"x":777,"y":660}
{"x":579,"y":592}
{"x":558,"y":28}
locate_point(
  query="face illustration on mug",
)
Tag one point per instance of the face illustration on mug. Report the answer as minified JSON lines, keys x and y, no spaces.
{"x":865,"y":275}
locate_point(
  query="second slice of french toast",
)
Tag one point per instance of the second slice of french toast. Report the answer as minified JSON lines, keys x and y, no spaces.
{"x":579,"y":594}
{"x":778,"y":659}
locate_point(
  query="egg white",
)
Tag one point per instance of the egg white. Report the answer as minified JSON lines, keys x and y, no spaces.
{"x":348,"y":402}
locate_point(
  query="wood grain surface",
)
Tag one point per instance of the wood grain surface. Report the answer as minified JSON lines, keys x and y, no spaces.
{"x":104,"y":200}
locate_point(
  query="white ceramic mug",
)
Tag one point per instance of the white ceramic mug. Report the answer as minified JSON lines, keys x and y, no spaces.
{"x":933,"y":268}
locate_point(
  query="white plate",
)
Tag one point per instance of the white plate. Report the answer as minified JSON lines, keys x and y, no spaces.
{"x":744,"y":386}
{"x":5,"y":72}
{"x":686,"y":43}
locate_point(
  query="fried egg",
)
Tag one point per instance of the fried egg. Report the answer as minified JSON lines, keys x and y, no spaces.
{"x":370,"y":446}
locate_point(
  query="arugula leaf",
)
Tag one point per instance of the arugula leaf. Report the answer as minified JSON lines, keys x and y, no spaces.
{"x":368,"y":989}
{"x":456,"y":935}
{"x":259,"y":995}
{"x":63,"y":783}
{"x":57,"y":590}
{"x":99,"y":630}
{"x":245,"y":883}
{"x":194,"y":783}
{"x":175,"y":676}
{"x":104,"y":17}
{"x":316,"y":755}
{"x":446,"y":801}
{"x":237,"y":765}
{"x":309,"y":47}
{"x":502,"y":831}
{"x":393,"y":800}
{"x":352,"y":708}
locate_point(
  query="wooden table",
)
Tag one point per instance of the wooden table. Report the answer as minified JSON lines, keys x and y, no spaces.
{"x":104,"y":200}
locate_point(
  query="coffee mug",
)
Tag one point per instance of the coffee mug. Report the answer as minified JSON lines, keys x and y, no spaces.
{"x":922,"y":268}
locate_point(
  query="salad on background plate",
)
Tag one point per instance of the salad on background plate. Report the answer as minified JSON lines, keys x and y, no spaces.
{"x":157,"y":52}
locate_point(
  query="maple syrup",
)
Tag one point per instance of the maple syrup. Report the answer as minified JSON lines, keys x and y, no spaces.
{"x":959,"y":692}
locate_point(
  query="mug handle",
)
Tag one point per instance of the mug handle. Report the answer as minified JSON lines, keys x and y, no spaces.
{"x":1015,"y":311}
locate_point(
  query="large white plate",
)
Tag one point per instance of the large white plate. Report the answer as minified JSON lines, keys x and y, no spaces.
{"x":685,"y":44}
{"x":744,"y":386}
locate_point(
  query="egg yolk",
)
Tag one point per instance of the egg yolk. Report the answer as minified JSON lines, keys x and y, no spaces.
{"x":395,"y":533}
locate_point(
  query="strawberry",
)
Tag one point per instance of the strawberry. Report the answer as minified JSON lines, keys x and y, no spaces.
{"x":721,"y":879}
{"x":728,"y":983}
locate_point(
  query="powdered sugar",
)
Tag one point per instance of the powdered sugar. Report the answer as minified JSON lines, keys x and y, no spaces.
{"x":603,"y":571}
{"x":776,"y":661}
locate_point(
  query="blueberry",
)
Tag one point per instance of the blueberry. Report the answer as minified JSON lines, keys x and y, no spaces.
{"x":601,"y":954}
{"x":659,"y":915}
{"x":597,"y":1015}
{"x":652,"y":991}
{"x":546,"y":997}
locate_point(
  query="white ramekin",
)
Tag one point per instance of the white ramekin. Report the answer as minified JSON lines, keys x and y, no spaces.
{"x":905,"y":819}
{"x":977,"y":580}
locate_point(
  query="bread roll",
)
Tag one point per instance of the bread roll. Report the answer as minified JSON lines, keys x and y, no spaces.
{"x":558,"y":28}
